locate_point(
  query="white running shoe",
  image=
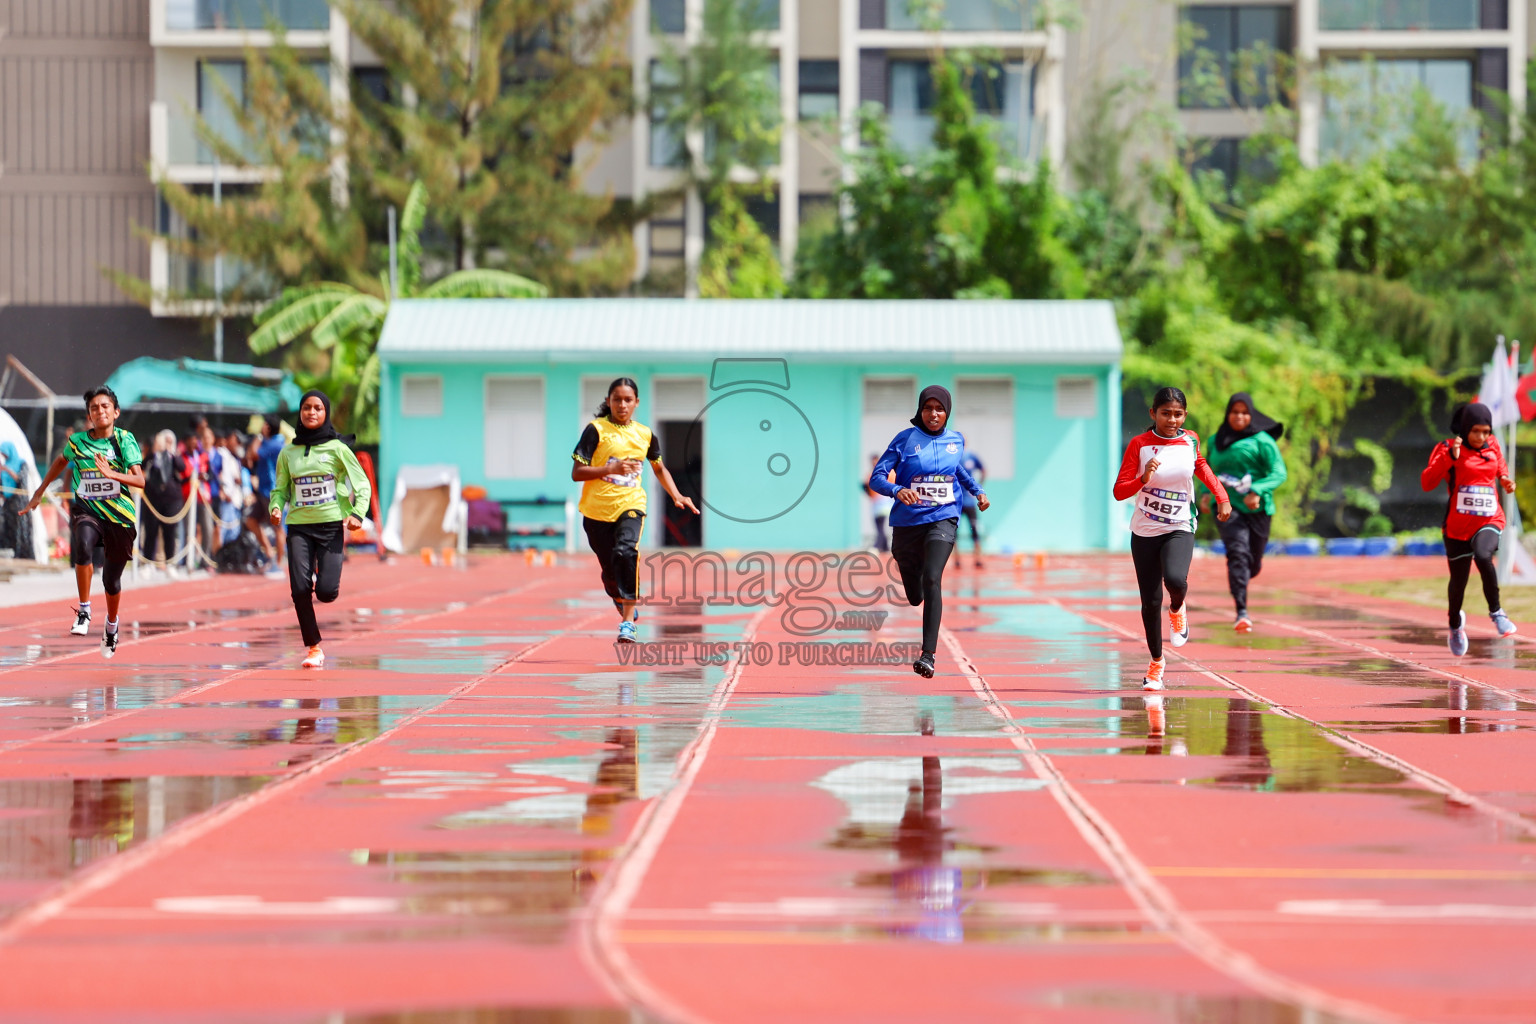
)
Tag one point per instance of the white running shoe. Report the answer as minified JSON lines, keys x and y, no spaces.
{"x":82,"y":624}
{"x":1153,"y":680}
{"x":1178,"y":627}
{"x":108,"y":645}
{"x":1458,"y":638}
{"x":315,"y":659}
{"x":1502,"y":624}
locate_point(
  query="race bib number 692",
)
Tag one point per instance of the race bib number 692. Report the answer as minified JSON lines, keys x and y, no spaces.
{"x":1477,"y":500}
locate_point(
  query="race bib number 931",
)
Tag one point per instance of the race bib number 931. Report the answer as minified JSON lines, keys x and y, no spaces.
{"x":313,"y":490}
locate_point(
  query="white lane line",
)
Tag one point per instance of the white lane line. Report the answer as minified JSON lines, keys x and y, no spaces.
{"x":1428,"y":780}
{"x":111,"y":870}
{"x":1444,"y":673}
{"x":1149,"y":894}
{"x":601,"y":945}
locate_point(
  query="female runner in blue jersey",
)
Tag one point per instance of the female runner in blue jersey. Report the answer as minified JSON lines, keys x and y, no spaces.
{"x":929,"y":460}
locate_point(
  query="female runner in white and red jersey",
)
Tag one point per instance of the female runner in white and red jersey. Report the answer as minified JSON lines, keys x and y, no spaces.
{"x":1474,"y":516}
{"x":1159,"y":470}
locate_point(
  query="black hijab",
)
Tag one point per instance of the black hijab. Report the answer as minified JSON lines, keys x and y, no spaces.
{"x":1468,"y":415}
{"x":933,"y":391}
{"x":1258,"y":423}
{"x":324,"y":432}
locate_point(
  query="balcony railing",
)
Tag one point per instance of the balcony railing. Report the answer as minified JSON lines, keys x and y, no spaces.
{"x":183,"y":146}
{"x":214,"y":15}
{"x":1398,"y":15}
{"x":966,"y":15}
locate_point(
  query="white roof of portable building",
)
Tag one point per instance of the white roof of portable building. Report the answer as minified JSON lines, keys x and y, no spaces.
{"x":1013,"y":331}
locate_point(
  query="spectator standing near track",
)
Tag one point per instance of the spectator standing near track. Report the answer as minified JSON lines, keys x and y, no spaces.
{"x":15,"y":528}
{"x":261,"y":459}
{"x":1474,"y":465}
{"x":232,"y":474}
{"x":968,"y":504}
{"x":928,"y":459}
{"x":1158,"y":470}
{"x":608,"y":459}
{"x":326,"y":492}
{"x":102,"y":460}
{"x":165,"y":480}
{"x":1246,"y":459}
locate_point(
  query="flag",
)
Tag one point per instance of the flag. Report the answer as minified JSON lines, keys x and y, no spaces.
{"x":1500,"y":388}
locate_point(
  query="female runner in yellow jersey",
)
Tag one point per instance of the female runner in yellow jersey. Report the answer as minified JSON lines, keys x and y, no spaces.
{"x":609,"y":460}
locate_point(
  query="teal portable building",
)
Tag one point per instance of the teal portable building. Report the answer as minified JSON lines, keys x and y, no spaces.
{"x":772,"y":411}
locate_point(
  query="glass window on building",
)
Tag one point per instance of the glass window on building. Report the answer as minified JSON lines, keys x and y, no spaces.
{"x":1399,"y":15}
{"x":963,"y":15}
{"x":514,"y":428}
{"x":213,"y":15}
{"x":818,"y":89}
{"x":221,"y":91}
{"x":1369,"y":103}
{"x":666,"y":140}
{"x":1228,"y":56}
{"x":1003,"y":95}
{"x":668,"y":16}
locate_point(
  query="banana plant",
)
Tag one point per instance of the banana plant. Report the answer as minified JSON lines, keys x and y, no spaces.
{"x":346,"y":322}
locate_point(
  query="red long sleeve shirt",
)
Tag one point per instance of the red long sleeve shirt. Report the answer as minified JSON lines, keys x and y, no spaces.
{"x":1164,"y":504}
{"x":1474,"y":487}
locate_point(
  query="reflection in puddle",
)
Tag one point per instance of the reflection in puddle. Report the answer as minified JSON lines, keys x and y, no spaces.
{"x":53,"y":827}
{"x":1265,"y":751}
{"x":1186,"y":1008}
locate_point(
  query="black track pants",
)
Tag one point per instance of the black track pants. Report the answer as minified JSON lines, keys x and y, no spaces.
{"x":1161,"y":561}
{"x":1482,"y":549}
{"x":314,"y":571}
{"x":921,"y":552}
{"x":1246,"y":535}
{"x":617,"y":547}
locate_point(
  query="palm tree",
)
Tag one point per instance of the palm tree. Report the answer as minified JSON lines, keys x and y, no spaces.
{"x":346,"y":321}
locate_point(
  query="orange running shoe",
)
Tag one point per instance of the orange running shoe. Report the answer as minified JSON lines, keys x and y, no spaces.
{"x":1178,"y":627}
{"x":1243,"y":624}
{"x":315,"y":659}
{"x":1154,"y":676}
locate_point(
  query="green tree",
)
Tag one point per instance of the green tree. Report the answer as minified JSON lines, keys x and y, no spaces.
{"x":944,"y":223}
{"x":487,"y":104}
{"x":719,"y":100}
{"x":343,"y":322}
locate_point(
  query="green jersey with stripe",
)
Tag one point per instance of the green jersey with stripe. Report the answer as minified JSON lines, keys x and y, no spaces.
{"x":97,"y":495}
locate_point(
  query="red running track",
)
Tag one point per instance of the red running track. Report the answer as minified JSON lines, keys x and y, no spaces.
{"x":476,"y":812}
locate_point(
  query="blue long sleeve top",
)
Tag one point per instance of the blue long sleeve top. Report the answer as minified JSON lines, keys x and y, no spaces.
{"x":930,"y":464}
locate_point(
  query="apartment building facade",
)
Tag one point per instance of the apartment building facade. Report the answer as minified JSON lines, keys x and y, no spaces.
{"x":99,"y":97}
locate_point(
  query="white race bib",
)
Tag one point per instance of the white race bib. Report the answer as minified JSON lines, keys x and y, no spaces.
{"x":934,"y":490}
{"x":95,"y":487}
{"x":313,"y":490}
{"x":1477,"y":500}
{"x":620,"y":480}
{"x":1162,"y":506}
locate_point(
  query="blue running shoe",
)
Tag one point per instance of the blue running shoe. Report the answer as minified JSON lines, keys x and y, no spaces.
{"x":1458,"y":641}
{"x":626,"y":633}
{"x":1502,"y":624}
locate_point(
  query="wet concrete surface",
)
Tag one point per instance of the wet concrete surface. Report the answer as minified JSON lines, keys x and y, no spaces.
{"x":478,"y":812}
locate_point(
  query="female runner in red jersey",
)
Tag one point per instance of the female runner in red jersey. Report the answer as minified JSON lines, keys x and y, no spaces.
{"x":1474,"y":516}
{"x":1159,"y":470}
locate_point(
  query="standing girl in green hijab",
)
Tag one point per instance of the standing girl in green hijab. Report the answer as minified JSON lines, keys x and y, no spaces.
{"x":1246,"y":459}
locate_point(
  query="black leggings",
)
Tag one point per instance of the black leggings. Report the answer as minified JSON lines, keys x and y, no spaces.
{"x":617,"y":547}
{"x":1481,"y":549}
{"x":1161,"y":561}
{"x":315,"y":553}
{"x":921,"y":552}
{"x":1245,"y":535}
